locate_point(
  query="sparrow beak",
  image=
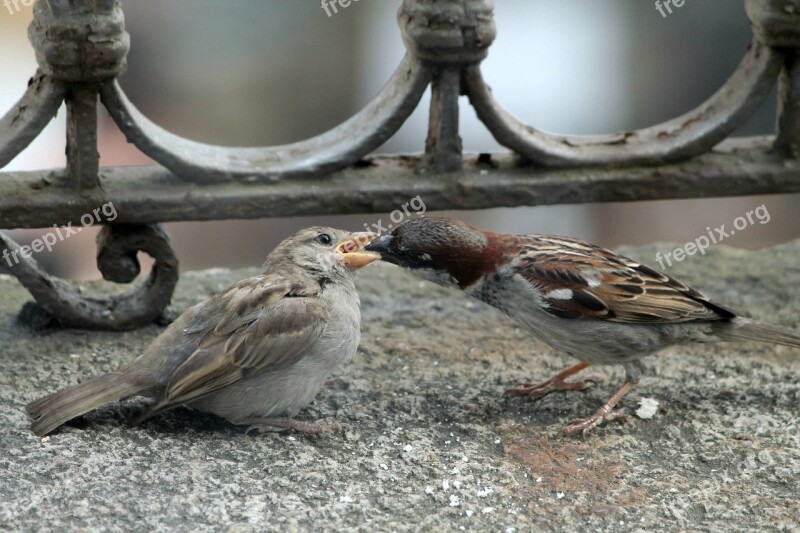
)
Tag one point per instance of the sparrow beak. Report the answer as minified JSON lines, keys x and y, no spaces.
{"x":352,"y":250}
{"x":380,"y":245}
{"x":384,"y":246}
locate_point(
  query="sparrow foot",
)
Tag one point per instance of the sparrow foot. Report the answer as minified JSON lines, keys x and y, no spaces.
{"x":604,"y":414}
{"x":535,"y":391}
{"x":585,"y":425}
{"x":276,"y":425}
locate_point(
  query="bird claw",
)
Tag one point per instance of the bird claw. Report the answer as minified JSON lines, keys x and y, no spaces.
{"x":585,"y":425}
{"x":263,"y":428}
{"x":535,"y":391}
{"x":278,"y":425}
{"x":557,"y":382}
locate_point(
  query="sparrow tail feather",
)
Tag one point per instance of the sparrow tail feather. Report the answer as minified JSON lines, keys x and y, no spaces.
{"x":52,"y":411}
{"x":746,"y":329}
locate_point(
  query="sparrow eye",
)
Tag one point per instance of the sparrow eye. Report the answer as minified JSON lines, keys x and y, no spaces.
{"x":324,"y":239}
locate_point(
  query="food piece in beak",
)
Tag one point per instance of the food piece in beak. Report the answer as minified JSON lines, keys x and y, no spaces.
{"x":352,"y":250}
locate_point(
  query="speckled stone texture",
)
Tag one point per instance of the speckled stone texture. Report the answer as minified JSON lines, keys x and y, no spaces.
{"x":429,"y":442}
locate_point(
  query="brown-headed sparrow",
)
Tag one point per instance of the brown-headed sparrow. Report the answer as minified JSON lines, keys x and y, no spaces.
{"x":598,"y":307}
{"x":255,"y":354}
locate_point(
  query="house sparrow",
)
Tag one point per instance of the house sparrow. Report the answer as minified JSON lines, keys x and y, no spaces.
{"x":254,"y":354}
{"x":596,"y":306}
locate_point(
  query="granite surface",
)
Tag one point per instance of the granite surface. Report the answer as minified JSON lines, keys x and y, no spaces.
{"x":429,"y":442}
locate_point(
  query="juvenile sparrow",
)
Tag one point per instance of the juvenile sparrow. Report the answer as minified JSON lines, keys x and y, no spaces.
{"x":254,"y":354}
{"x":596,"y":306}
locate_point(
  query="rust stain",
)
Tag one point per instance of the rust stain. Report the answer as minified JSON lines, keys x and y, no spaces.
{"x":566,"y":466}
{"x":577,"y":469}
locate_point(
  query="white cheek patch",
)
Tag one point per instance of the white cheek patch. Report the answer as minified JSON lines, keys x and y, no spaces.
{"x":560,"y":294}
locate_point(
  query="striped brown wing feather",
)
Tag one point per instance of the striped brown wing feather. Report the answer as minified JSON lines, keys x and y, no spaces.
{"x":581,"y":280}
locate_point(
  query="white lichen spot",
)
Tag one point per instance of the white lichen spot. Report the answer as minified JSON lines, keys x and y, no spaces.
{"x":484,"y":492}
{"x":455,"y":501}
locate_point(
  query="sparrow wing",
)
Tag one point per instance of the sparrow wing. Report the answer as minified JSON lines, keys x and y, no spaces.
{"x":580,"y":280}
{"x":264,"y":327}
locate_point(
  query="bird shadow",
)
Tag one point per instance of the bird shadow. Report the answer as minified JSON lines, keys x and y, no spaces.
{"x":178,"y":421}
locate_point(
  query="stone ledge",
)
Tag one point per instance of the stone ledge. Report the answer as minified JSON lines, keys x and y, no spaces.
{"x":429,"y":441}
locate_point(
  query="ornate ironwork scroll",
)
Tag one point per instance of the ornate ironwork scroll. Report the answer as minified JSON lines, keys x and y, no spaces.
{"x":81,"y":47}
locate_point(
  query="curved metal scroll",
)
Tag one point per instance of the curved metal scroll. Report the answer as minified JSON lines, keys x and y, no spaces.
{"x":689,"y":135}
{"x":29,"y":116}
{"x":327,"y":152}
{"x":118,"y":246}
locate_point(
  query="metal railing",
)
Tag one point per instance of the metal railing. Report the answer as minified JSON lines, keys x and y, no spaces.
{"x":81,"y":48}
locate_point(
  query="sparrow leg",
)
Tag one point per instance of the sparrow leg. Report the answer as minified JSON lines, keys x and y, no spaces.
{"x":276,"y":425}
{"x":633,"y":371}
{"x":540,"y":390}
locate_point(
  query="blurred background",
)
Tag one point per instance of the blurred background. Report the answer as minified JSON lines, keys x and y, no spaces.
{"x":266,"y":72}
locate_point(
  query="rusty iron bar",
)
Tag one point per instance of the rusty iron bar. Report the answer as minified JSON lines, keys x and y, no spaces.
{"x":776,"y":23}
{"x":83,"y":160}
{"x":443,"y":145}
{"x":787,"y":141}
{"x":148,"y":194}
